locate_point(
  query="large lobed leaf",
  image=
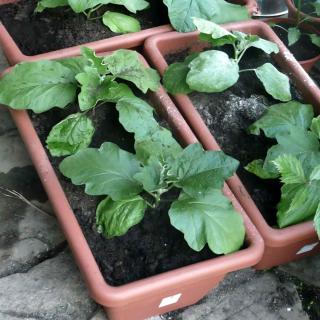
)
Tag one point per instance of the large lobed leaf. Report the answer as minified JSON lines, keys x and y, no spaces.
{"x":105,"y":171}
{"x":38,"y":86}
{"x":208,"y":218}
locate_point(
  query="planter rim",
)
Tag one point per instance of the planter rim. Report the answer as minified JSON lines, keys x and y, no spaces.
{"x":103,"y":293}
{"x":272,"y":236}
{"x":15,"y":55}
{"x":309,"y":63}
{"x":293,"y":12}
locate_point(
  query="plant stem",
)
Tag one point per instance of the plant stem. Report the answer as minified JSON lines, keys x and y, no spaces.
{"x":246,"y":70}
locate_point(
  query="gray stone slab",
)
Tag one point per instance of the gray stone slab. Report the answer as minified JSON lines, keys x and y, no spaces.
{"x":100,"y":315}
{"x":6,"y":123}
{"x":27,"y":236}
{"x":53,"y":290}
{"x":247,"y":295}
{"x":307,"y":270}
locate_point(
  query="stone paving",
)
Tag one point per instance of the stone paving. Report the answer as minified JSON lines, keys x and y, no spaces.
{"x":39,"y":280}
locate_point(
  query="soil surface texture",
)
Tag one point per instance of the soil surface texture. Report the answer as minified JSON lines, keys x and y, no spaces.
{"x":60,"y":28}
{"x":303,"y":49}
{"x":149,"y":248}
{"x":228,"y":115}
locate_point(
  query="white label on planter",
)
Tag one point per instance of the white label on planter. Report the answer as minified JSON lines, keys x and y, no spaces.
{"x":170,"y":300}
{"x":307,"y":248}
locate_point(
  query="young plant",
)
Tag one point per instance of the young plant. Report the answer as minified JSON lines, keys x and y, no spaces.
{"x":213,"y":70}
{"x":42,"y":85}
{"x":116,"y":22}
{"x":134,"y":182}
{"x":295,"y":33}
{"x":181,"y":12}
{"x":295,"y":159}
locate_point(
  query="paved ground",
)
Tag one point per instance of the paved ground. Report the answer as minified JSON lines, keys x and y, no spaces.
{"x":39,"y":280}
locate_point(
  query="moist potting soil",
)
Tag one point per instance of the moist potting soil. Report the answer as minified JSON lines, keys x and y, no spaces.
{"x":228,"y":115}
{"x":315,"y":74}
{"x":303,"y":49}
{"x":60,"y":28}
{"x":149,"y":248}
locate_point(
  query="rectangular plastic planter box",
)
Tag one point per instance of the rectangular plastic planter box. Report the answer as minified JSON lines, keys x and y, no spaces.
{"x":157,"y":294}
{"x":281,"y":245}
{"x":15,"y":55}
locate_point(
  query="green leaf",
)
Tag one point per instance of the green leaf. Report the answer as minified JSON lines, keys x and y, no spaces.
{"x":316,"y":5}
{"x":208,"y":218}
{"x":94,"y":60}
{"x":152,"y":175}
{"x":70,"y":135}
{"x":175,"y":77}
{"x":38,"y":86}
{"x":315,"y":174}
{"x":75,"y":64}
{"x":90,"y":81}
{"x":276,"y":83}
{"x":126,"y":65}
{"x":265,"y":45}
{"x":257,"y":167}
{"x":181,"y":12}
{"x":316,"y":219}
{"x":315,"y":39}
{"x":120,"y":23}
{"x":82,"y":5}
{"x":290,"y":169}
{"x":282,"y":117}
{"x":105,"y":171}
{"x":196,"y":170}
{"x":132,"y":5}
{"x":212,"y":71}
{"x":115,"y":218}
{"x":44,"y":4}
{"x":160,"y":144}
{"x":294,"y":35}
{"x":299,"y":202}
{"x":213,"y":33}
{"x":315,"y":126}
{"x":136,"y":116}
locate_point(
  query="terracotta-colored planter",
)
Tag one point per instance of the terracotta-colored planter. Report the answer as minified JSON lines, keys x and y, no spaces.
{"x":293,"y":12}
{"x":157,"y":294}
{"x":306,"y":64}
{"x":15,"y":55}
{"x":281,"y":245}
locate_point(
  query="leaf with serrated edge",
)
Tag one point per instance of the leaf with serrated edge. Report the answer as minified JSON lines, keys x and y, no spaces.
{"x":126,"y":65}
{"x":256,"y":167}
{"x":94,"y":60}
{"x":276,"y":83}
{"x":38,"y":86}
{"x":70,"y":135}
{"x":315,"y":126}
{"x":115,"y":218}
{"x":280,"y":118}
{"x":105,"y":171}
{"x":208,"y":218}
{"x":290,"y":169}
{"x":196,"y":170}
{"x":212,"y":71}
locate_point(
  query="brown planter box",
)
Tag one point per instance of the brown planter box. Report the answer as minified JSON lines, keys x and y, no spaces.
{"x":293,"y":12}
{"x":15,"y":55}
{"x":281,"y":245}
{"x":306,"y":64}
{"x":157,"y":294}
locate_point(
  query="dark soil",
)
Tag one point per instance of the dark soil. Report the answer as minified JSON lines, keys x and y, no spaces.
{"x":303,"y":49}
{"x":229,"y":114}
{"x":153,"y":246}
{"x":60,"y":28}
